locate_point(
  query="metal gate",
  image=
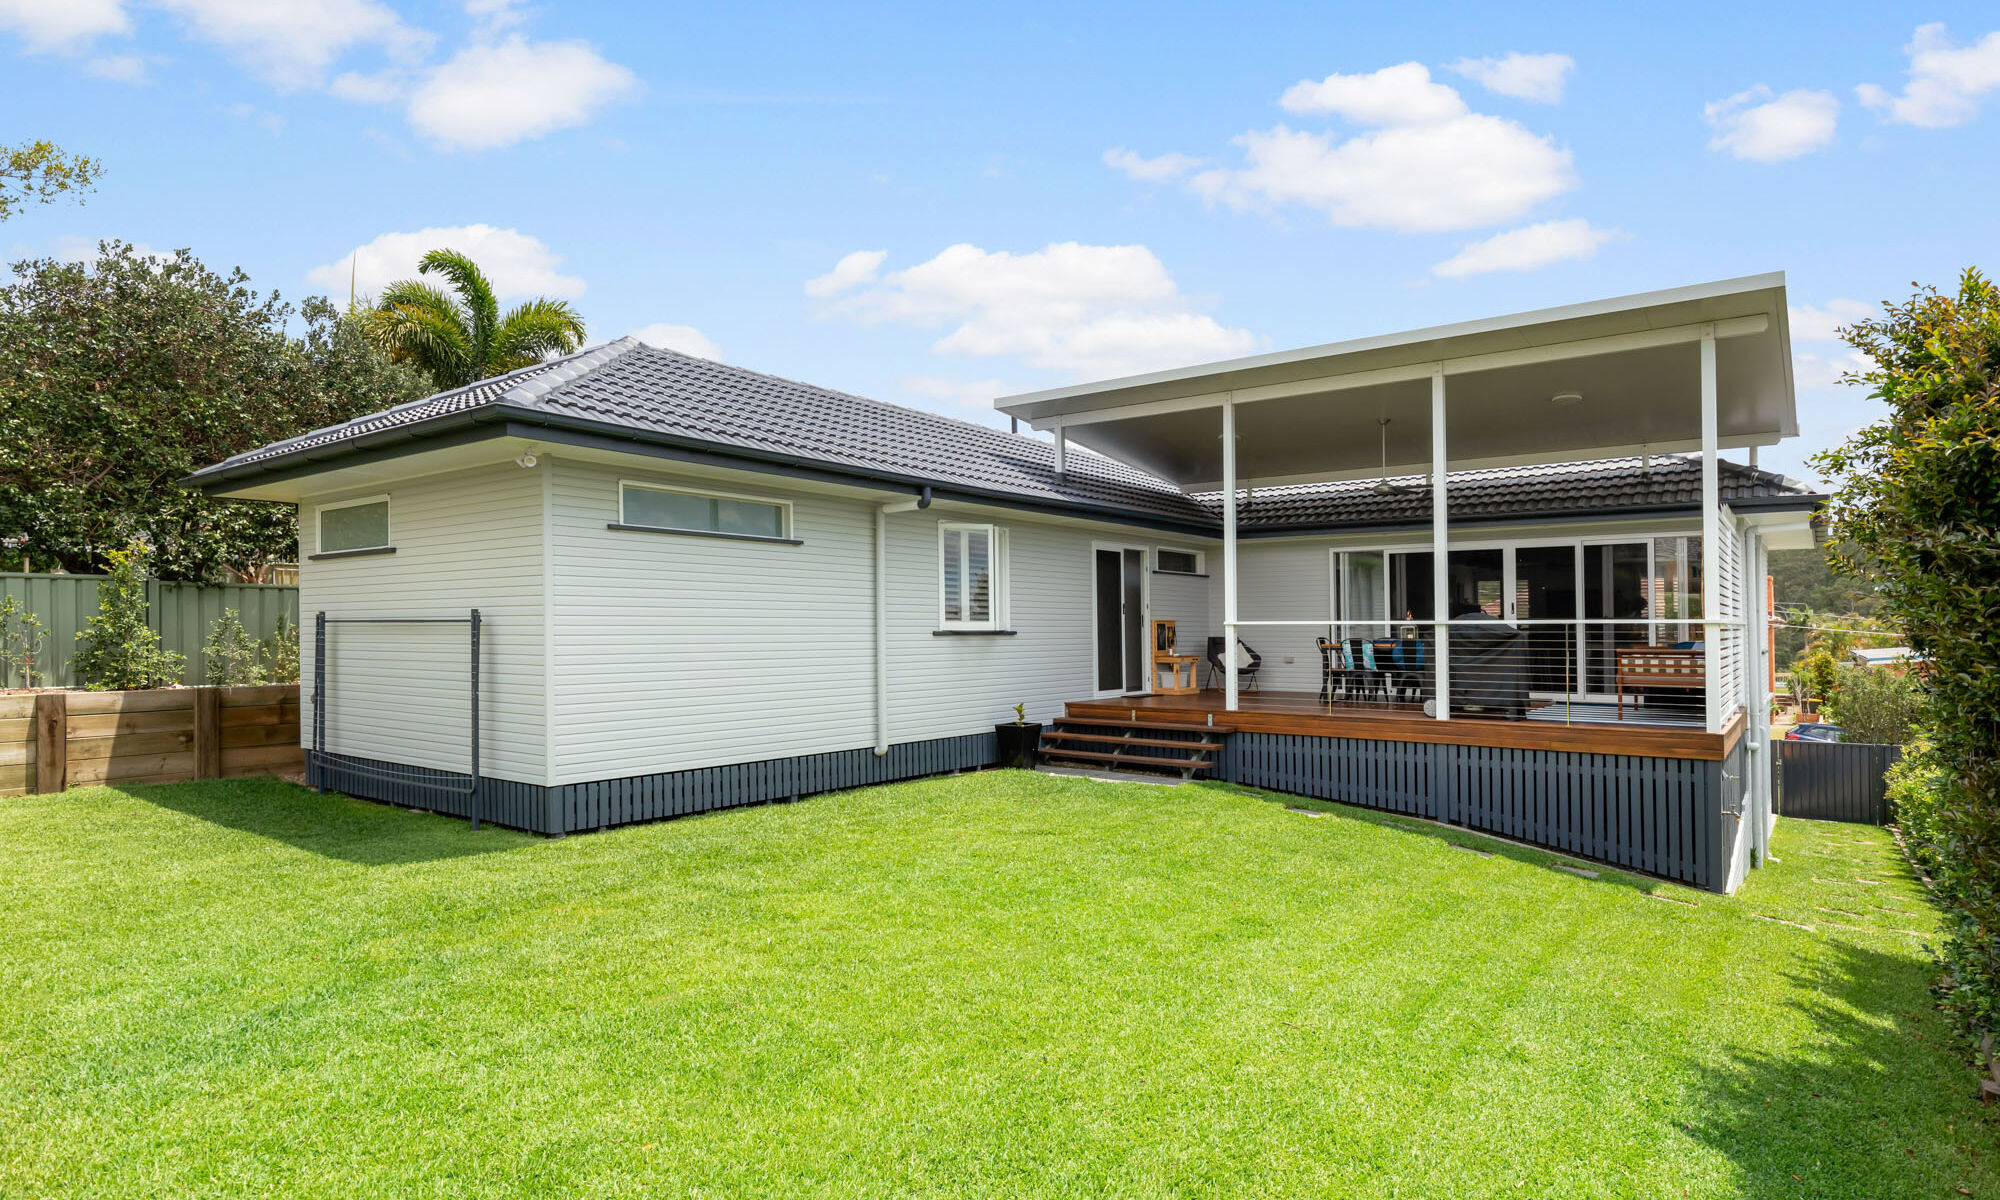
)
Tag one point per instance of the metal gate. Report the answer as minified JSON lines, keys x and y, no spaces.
{"x":1834,"y":781}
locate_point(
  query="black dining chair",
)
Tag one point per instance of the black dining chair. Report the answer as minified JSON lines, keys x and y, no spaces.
{"x":1246,"y":674}
{"x":1367,"y":676}
{"x":1331,"y":673}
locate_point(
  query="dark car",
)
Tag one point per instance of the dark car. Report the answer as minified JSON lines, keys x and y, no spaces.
{"x":1821,"y":732}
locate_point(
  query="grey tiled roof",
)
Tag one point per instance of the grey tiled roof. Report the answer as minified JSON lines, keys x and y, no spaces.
{"x":631,"y":385}
{"x":626,"y":385}
{"x":1669,"y":481}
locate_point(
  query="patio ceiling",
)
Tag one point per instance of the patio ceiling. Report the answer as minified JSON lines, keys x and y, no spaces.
{"x":1312,"y":414}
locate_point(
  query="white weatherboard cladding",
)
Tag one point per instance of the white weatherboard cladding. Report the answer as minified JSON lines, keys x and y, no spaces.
{"x":401,"y":693}
{"x":1284,"y":581}
{"x":676,"y":652}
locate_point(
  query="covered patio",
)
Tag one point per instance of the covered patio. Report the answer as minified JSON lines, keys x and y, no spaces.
{"x":1660,"y":647}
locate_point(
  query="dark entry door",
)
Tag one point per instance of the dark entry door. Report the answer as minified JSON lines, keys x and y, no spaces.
{"x":1119,"y":580}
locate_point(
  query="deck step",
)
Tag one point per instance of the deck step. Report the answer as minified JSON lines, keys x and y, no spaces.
{"x":1129,"y":760}
{"x":1128,"y":723}
{"x":1068,"y":735}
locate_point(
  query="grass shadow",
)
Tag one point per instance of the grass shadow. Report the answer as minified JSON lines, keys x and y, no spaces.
{"x":1862,"y":1107}
{"x":1469,"y":839}
{"x":331,"y":825}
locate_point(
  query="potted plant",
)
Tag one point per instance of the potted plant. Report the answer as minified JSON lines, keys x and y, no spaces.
{"x":1018,"y":739}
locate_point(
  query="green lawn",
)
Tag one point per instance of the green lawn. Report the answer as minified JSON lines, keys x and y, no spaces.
{"x":1001,"y":984}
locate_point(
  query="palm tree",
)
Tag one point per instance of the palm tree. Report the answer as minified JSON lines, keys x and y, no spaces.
{"x":462,"y":339}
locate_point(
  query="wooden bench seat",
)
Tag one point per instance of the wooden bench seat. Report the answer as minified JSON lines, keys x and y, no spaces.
{"x":1656,"y":667}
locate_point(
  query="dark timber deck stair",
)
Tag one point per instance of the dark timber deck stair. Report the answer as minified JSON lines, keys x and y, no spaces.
{"x":1158,"y":747}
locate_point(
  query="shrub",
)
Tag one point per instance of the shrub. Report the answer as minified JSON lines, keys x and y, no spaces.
{"x":1821,"y":674}
{"x":1915,"y":786}
{"x":234,"y":658}
{"x":1876,"y":704}
{"x":281,"y":654}
{"x":21,"y":637}
{"x":118,"y":649}
{"x":1915,"y":515}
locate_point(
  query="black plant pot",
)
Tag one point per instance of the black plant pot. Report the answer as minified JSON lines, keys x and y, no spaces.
{"x":1018,"y":743}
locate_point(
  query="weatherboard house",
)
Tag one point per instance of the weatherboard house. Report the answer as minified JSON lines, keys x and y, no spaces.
{"x":1494,"y":574}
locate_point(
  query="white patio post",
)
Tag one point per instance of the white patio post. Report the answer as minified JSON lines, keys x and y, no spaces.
{"x":1711,"y":536}
{"x":1440,"y":561}
{"x":1062,"y":450}
{"x":1229,"y":553}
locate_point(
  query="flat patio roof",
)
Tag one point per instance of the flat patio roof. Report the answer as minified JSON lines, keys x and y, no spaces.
{"x":1315,"y":413}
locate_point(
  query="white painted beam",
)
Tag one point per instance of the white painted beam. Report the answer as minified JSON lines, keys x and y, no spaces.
{"x":1440,"y":549}
{"x":1230,"y":684}
{"x":1711,"y":537}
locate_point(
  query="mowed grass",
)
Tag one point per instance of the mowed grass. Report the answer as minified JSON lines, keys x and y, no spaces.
{"x":1001,"y":984}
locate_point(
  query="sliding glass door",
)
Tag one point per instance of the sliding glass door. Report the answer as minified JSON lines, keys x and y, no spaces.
{"x":1577,"y":602}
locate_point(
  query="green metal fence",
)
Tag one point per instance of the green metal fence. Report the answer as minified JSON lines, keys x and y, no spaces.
{"x":180,"y":612}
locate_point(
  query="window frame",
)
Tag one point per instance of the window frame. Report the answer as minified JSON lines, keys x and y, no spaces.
{"x":388,"y":545}
{"x":1200,"y":561}
{"x":784,"y":507}
{"x":997,"y":620}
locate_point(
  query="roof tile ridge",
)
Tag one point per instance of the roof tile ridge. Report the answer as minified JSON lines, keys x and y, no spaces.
{"x":562,"y":370}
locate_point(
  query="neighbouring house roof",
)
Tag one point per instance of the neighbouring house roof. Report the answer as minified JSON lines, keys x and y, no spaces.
{"x":1667,"y":483}
{"x":641,"y":393}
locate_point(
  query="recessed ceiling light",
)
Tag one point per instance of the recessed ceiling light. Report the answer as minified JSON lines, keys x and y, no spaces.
{"x":1566,"y":398}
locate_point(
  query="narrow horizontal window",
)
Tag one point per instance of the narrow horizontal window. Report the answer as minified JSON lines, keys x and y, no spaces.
{"x":1177,"y":562}
{"x":646,"y":507}
{"x":357,"y":525}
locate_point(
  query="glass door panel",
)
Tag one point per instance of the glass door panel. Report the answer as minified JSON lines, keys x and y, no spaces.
{"x":1545,"y":590}
{"x":1363,"y":595}
{"x":1615,"y":584}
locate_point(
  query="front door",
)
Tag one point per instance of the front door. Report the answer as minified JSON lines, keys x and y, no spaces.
{"x":1119,"y":589}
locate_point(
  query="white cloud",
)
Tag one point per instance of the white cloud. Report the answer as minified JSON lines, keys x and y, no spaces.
{"x":494,"y":15}
{"x":516,"y":263}
{"x":355,"y":87}
{"x":1810,"y":324}
{"x":495,"y":95}
{"x":1427,"y":165}
{"x":1400,"y":95}
{"x":62,"y":24}
{"x":1760,"y":127}
{"x":850,"y":272}
{"x":1527,"y":249}
{"x":291,"y":45}
{"x":684,"y":338}
{"x":1462,"y":173}
{"x":118,"y":68}
{"x":1946,"y":81}
{"x":1081,"y":310}
{"x":1150,"y":170}
{"x":1824,"y":370}
{"x":1536,"y":78}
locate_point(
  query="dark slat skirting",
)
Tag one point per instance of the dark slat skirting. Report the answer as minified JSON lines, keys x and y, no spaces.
{"x":1664,"y":816}
{"x":578,"y":806}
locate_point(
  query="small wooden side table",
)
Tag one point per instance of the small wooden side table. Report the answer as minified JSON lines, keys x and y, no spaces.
{"x":1180,"y":674}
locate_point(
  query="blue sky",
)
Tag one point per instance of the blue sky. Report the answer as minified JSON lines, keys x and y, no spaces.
{"x":932,"y":205}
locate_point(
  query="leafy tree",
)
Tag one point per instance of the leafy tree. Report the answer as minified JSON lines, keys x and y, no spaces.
{"x":119,"y":377}
{"x":1821,"y":674}
{"x":234,"y":658}
{"x":21,"y":637}
{"x":1918,"y":516}
{"x":118,"y":649}
{"x":281,"y":654}
{"x":461,"y":339}
{"x":40,"y":171}
{"x":1876,"y":704}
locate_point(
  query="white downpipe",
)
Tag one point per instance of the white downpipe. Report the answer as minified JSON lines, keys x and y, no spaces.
{"x":882,"y":512}
{"x":1440,"y":550}
{"x":1230,"y":684}
{"x":1711,"y":536}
